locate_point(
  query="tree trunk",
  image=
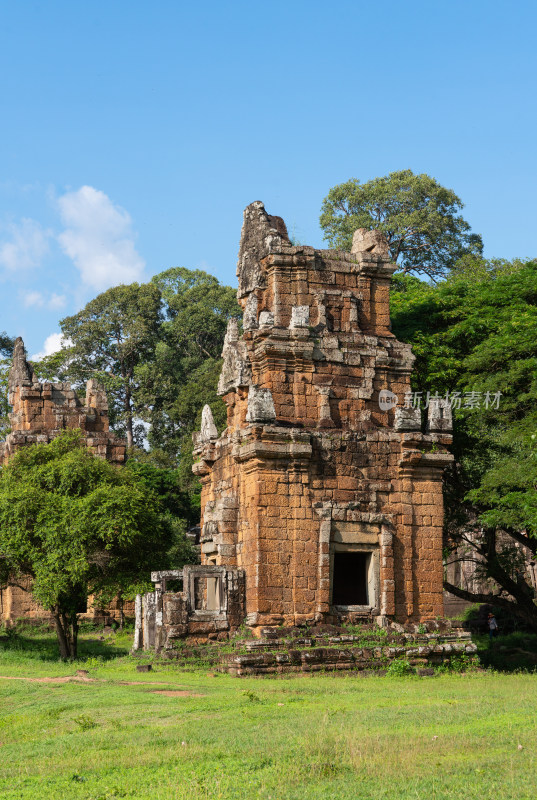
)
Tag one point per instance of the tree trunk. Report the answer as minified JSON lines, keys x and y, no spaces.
{"x":73,"y":636}
{"x":523,"y":610}
{"x":60,"y":633}
{"x":128,"y":418}
{"x":130,"y":437}
{"x":121,"y":611}
{"x":66,"y":625}
{"x":518,"y":595}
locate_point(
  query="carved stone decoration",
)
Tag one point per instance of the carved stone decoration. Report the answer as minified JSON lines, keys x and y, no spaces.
{"x":260,"y":232}
{"x":407,"y":419}
{"x":325,"y":414}
{"x":300,"y":317}
{"x":266,"y":319}
{"x":249,"y":318}
{"x":209,"y":531}
{"x":320,"y":305}
{"x":232,"y":334}
{"x":236,"y":371}
{"x":440,"y":416}
{"x":208,"y":428}
{"x":354,"y":309}
{"x":366,"y":241}
{"x":260,"y":405}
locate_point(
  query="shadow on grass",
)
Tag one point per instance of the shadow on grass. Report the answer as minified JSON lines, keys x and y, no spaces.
{"x":514,"y":652}
{"x":41,"y":644}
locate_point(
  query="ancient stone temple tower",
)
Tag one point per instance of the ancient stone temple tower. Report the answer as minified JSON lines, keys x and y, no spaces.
{"x":42,"y":410}
{"x":323,"y":487}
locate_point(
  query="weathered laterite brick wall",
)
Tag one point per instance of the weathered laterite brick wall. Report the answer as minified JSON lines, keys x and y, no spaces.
{"x":327,"y":497}
{"x":40,"y":411}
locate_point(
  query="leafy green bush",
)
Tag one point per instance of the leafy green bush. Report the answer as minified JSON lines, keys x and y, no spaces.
{"x":399,"y":668}
{"x":458,"y":665}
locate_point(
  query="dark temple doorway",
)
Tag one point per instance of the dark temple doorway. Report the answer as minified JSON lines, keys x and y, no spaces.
{"x":350,"y":579}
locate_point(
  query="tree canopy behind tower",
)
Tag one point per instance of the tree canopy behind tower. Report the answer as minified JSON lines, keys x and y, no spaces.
{"x":6,"y":345}
{"x":420,"y":218}
{"x":6,"y":350}
{"x":156,"y":349}
{"x":475,"y":333}
{"x":184,"y":374}
{"x":109,"y":339}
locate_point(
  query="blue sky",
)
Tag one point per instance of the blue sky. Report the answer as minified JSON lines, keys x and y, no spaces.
{"x":132,"y":134}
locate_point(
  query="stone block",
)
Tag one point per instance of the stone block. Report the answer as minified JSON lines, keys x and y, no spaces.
{"x":439,"y":416}
{"x":300,"y":317}
{"x":407,"y":419}
{"x":266,"y":319}
{"x":260,"y":405}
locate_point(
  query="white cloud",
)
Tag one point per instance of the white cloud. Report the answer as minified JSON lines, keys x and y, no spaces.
{"x":38,"y":300}
{"x":52,"y":344}
{"x":56,"y":301}
{"x":99,"y":238}
{"x":27,"y":245}
{"x":33,"y":299}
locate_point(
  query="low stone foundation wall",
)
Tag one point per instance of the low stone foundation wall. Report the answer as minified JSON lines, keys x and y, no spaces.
{"x":365,"y":651}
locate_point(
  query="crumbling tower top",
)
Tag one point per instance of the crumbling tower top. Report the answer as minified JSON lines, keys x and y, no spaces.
{"x":261,"y":232}
{"x":21,"y":372}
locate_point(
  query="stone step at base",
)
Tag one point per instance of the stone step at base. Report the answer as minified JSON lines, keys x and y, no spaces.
{"x":319,"y":641}
{"x":352,"y":658}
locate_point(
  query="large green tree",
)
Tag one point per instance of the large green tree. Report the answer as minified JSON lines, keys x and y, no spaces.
{"x":475,"y":333}
{"x":110,"y":339}
{"x":6,"y":344}
{"x":77,"y":525}
{"x":420,"y":218}
{"x":187,"y":361}
{"x":6,"y":350}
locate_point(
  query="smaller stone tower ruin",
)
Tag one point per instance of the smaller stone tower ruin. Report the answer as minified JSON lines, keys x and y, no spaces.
{"x":42,"y":410}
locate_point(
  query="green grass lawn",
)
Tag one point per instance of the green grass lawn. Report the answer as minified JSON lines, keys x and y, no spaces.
{"x":314,"y":736}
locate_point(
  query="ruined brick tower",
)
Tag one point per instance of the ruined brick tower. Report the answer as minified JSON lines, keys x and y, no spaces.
{"x":40,"y":412}
{"x":326,"y":495}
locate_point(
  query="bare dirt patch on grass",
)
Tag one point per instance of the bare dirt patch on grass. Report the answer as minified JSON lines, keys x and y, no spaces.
{"x":63,"y":679}
{"x":176,"y":693}
{"x":143,"y":683}
{"x":84,"y":678}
